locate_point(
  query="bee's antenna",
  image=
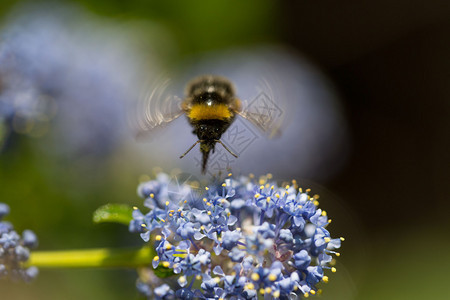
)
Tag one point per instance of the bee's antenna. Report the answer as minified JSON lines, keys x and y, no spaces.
{"x":190,"y":148}
{"x":226,"y":148}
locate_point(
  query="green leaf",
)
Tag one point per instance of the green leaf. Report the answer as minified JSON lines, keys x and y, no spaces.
{"x":163,"y":272}
{"x":115,"y":213}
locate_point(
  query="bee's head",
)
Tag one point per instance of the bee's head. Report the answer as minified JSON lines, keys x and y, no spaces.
{"x":208,"y":132}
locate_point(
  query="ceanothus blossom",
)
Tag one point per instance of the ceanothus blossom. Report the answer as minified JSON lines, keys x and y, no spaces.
{"x":241,"y":238}
{"x":15,"y":250}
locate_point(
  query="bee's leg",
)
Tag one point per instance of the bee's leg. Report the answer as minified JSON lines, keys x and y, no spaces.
{"x":199,"y":141}
{"x":226,"y":148}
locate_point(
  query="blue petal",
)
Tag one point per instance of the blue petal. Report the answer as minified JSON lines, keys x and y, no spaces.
{"x":218,"y":271}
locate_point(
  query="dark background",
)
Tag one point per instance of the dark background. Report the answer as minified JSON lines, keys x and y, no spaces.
{"x":390,"y":60}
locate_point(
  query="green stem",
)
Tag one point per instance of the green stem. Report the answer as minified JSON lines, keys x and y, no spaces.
{"x":93,"y":258}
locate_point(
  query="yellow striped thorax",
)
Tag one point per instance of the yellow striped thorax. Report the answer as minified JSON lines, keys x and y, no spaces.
{"x":217,"y":111}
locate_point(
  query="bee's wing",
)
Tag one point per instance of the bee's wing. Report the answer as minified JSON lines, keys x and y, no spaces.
{"x":155,"y":108}
{"x":262,"y":111}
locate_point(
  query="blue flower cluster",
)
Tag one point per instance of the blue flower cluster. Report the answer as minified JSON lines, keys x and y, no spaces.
{"x":15,"y":250}
{"x":240,"y":239}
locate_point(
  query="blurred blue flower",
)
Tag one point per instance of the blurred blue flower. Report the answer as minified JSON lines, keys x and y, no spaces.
{"x":15,"y":250}
{"x":279,"y":249}
{"x":70,"y":68}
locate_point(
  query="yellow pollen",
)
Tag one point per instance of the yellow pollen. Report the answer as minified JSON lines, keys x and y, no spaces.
{"x":338,"y":254}
{"x":306,"y":295}
{"x":164,"y":221}
{"x":170,"y":215}
{"x":205,"y":200}
{"x":224,"y":184}
{"x":276,"y":294}
{"x":329,"y":221}
{"x":313,"y":292}
{"x":295,"y":287}
{"x":185,"y":201}
{"x":158,"y":237}
{"x":182,"y":279}
{"x":325,"y":279}
{"x":287,"y":186}
{"x":308,"y":190}
{"x":209,"y":213}
{"x":228,"y":214}
{"x":249,"y":286}
{"x":261,"y":291}
{"x":277,"y":195}
{"x":333,"y":269}
{"x":229,"y":174}
{"x":152,"y":195}
{"x":272,"y":187}
{"x":269,"y":175}
{"x":168,"y":246}
{"x":238,"y":228}
{"x":327,"y":240}
{"x":268,"y":199}
{"x":167,"y":203}
{"x":261,"y":187}
{"x":300,"y":190}
{"x":202,"y":227}
{"x":207,"y":188}
{"x":156,"y":258}
{"x":316,"y":203}
{"x":342,"y":239}
{"x":172,"y":211}
{"x":179,"y":209}
{"x":299,"y":207}
{"x":134,"y":207}
{"x":316,"y":196}
{"x":221,"y":299}
{"x":255,"y":276}
{"x":324,"y":213}
{"x":267,"y":185}
{"x":166,"y":264}
{"x":207,"y":203}
{"x":143,"y":225}
{"x":257,"y":195}
{"x":198,"y":277}
{"x":181,"y":214}
{"x":268,"y":290}
{"x":222,"y":201}
{"x":272,"y":277}
{"x":217,"y":279}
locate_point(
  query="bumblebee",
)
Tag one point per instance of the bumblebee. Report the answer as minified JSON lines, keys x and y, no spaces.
{"x":210,"y":105}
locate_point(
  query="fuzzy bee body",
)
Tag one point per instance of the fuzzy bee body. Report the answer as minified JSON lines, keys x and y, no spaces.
{"x":210,"y":108}
{"x":210,"y":105}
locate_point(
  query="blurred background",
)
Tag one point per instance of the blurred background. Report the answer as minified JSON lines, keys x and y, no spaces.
{"x":363,"y":88}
